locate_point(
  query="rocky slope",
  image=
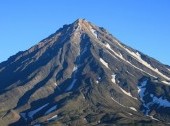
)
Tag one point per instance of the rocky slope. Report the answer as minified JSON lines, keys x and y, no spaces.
{"x":82,"y":75}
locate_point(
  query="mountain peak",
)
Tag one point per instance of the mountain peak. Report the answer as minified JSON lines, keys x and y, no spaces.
{"x":82,"y":75}
{"x":79,"y":22}
{"x":81,"y":26}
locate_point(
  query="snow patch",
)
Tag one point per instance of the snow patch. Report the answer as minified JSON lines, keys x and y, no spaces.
{"x":32,"y":113}
{"x":97,"y":81}
{"x":94,"y":32}
{"x":113,"y":78}
{"x":130,"y":113}
{"x":108,"y":46}
{"x":84,"y":119}
{"x":53,"y":118}
{"x":134,"y":109}
{"x":104,"y":63}
{"x":153,"y":118}
{"x":75,"y":68}
{"x":117,"y":102}
{"x":55,"y":84}
{"x":51,"y":109}
{"x":166,"y":82}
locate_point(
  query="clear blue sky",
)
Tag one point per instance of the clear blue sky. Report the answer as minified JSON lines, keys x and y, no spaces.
{"x":141,"y":24}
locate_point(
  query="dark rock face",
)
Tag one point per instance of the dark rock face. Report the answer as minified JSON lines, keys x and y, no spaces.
{"x":82,"y":75}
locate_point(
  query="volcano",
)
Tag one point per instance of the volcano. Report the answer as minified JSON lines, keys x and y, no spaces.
{"x":83,"y":76}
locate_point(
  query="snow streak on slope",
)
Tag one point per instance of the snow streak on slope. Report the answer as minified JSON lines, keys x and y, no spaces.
{"x":133,"y":108}
{"x":53,"y":118}
{"x":113,"y":79}
{"x":94,"y":32}
{"x":137,"y":56}
{"x":153,"y":118}
{"x":121,"y":57}
{"x":127,"y":93}
{"x":104,"y":63}
{"x":117,"y":102}
{"x":130,"y":113}
{"x":166,"y":82}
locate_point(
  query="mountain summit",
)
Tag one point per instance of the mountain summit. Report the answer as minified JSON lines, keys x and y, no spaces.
{"x":82,"y":75}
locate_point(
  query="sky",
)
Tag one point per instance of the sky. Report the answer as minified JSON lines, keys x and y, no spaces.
{"x":141,"y":24}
